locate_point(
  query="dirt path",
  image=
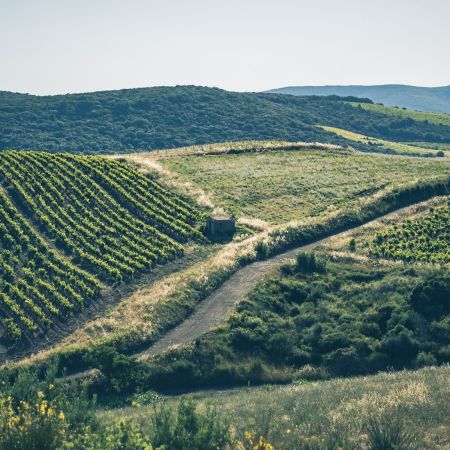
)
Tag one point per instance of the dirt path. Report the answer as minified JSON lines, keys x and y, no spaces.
{"x":220,"y":304}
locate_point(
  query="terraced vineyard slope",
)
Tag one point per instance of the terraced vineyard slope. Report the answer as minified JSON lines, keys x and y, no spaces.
{"x":425,"y":239}
{"x":68,"y":224}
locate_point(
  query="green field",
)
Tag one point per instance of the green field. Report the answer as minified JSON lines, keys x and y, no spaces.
{"x":278,"y":187}
{"x":375,"y":143}
{"x":421,"y":116}
{"x":75,"y":229}
{"x":72,"y":222}
{"x":330,"y":414}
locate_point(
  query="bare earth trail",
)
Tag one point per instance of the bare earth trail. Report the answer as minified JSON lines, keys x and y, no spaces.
{"x":221,"y":303}
{"x":215,"y":309}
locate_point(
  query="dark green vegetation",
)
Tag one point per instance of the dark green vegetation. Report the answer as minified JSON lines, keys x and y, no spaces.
{"x":323,"y":319}
{"x":36,"y":284}
{"x":436,"y":118}
{"x":42,"y":415}
{"x":106,"y":221}
{"x":425,"y":239}
{"x":164,"y":117}
{"x":434,"y":99}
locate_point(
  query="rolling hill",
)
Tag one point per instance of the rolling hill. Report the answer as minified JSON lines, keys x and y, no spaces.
{"x":432,"y":99}
{"x":72,"y":224}
{"x":167,"y":117}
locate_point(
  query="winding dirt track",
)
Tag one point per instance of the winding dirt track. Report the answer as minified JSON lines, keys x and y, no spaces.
{"x":220,"y":304}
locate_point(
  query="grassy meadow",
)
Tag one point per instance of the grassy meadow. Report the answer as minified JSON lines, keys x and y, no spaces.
{"x":278,"y":187}
{"x":397,"y":147}
{"x":404,"y":113}
{"x":331,"y":414}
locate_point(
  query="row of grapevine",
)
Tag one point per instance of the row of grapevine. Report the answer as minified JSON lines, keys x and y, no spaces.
{"x":143,"y":197}
{"x":37,"y":286}
{"x":93,"y":214}
{"x":426,"y":239}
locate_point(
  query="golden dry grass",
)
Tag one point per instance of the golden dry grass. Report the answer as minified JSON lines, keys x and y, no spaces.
{"x":294,"y":414}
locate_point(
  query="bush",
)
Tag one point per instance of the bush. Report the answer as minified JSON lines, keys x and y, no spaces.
{"x":262,"y":249}
{"x":311,"y":373}
{"x":37,"y":424}
{"x":432,"y":297}
{"x":120,"y":436}
{"x":189,"y":429}
{"x":389,"y":433}
{"x":309,"y":262}
{"x":425,"y":359}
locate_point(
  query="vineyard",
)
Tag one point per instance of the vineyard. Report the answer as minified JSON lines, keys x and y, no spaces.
{"x":36,"y":285}
{"x":425,"y":239}
{"x":109,"y":223}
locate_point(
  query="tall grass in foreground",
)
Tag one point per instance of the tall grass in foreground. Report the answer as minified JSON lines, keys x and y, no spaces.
{"x":401,"y":410}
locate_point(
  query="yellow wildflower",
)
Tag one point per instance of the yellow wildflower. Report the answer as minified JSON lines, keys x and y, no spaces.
{"x":43,"y":408}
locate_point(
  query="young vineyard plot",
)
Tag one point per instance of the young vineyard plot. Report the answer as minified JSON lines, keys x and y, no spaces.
{"x":109,"y":221}
{"x":426,"y":239}
{"x":36,"y":285}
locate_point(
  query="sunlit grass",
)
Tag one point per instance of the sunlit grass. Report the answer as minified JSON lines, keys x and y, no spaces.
{"x":289,"y":415}
{"x":398,"y":147}
{"x":281,"y":186}
{"x":436,"y":118}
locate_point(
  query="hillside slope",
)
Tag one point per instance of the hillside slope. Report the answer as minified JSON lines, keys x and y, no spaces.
{"x":70,"y":224}
{"x":432,"y":99}
{"x":166,"y":117}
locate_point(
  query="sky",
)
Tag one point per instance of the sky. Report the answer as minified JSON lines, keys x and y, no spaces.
{"x":62,"y":46}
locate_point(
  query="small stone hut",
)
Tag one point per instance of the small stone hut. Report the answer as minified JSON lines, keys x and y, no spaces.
{"x":220,"y":225}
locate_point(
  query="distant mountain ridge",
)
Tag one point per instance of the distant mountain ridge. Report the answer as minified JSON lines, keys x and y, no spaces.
{"x":430,"y":99}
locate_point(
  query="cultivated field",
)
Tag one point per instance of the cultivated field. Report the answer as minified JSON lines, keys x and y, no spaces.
{"x":71,"y":223}
{"x":85,"y":228}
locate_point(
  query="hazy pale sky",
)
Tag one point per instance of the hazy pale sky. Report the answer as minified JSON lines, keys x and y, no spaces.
{"x":59,"y":46}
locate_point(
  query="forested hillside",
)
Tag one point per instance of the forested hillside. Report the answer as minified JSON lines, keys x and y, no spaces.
{"x":165,"y":117}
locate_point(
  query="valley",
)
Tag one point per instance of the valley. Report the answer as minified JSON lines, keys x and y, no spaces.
{"x":338,"y":269}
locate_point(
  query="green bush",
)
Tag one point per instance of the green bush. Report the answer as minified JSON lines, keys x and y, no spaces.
{"x":190,"y":429}
{"x":309,"y":262}
{"x":389,"y":433}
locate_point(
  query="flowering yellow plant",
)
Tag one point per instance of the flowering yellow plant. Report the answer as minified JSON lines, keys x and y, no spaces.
{"x":252,"y":443}
{"x":30,"y":423}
